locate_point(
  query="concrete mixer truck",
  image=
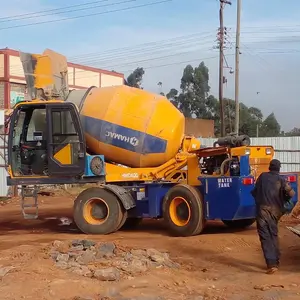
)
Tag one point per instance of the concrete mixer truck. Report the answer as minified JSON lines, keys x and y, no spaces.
{"x":131,"y":144}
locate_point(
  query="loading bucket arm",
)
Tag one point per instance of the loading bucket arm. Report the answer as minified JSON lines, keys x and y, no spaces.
{"x":211,"y":151}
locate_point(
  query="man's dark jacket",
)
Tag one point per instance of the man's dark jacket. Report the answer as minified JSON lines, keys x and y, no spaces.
{"x":271,"y":190}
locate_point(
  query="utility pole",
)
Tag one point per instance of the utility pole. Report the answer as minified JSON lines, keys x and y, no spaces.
{"x":237,"y":67}
{"x":221,"y":64}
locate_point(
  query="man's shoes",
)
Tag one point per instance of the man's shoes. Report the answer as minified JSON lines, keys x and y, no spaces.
{"x":272,"y":270}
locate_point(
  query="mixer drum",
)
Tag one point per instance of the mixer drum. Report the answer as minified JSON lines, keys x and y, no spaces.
{"x":129,"y":126}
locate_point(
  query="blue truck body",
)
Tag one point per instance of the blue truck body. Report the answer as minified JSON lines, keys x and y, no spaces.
{"x":224,"y":197}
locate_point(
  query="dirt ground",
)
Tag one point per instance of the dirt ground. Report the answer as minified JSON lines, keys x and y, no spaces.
{"x":219,"y":264}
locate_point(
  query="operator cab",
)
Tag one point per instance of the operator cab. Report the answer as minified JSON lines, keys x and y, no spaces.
{"x":46,"y":140}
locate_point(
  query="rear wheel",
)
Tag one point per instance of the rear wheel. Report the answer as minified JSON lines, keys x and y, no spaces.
{"x":239,"y":224}
{"x":98,"y":211}
{"x":124,"y":219}
{"x":183,"y":211}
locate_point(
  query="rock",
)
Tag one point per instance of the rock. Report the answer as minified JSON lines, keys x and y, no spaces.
{"x":74,"y":264}
{"x":82,"y":271}
{"x":106,"y":250}
{"x":86,"y":257}
{"x":157,"y":256}
{"x":86,"y":244}
{"x":262,"y":287}
{"x":108,"y":274}
{"x":82,"y":298}
{"x":171,"y":264}
{"x":152,"y":251}
{"x":76,"y":243}
{"x":60,"y":247}
{"x":134,"y":267}
{"x":62,"y":265}
{"x":74,"y":255}
{"x":138,"y":252}
{"x":5,"y":270}
{"x":76,"y":248}
{"x":128,"y":256}
{"x":56,"y":244}
{"x":62,"y":257}
{"x":120,"y":264}
{"x":267,"y":287}
{"x":54,"y":254}
{"x":158,"y":259}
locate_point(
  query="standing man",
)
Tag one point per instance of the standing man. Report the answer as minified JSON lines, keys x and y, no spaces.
{"x":270,"y":193}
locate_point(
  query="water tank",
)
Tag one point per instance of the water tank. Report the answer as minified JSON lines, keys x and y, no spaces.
{"x":129,"y":126}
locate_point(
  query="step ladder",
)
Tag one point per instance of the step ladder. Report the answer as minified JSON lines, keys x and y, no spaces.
{"x":29,"y":193}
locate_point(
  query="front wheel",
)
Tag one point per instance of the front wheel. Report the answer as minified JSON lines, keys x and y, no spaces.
{"x":98,"y":211}
{"x":183,"y":211}
{"x":239,"y":224}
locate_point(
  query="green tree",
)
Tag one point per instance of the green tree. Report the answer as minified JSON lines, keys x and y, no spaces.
{"x":250,"y":118}
{"x":294,"y":132}
{"x":135,"y":78}
{"x":270,"y":127}
{"x":192,"y":99}
{"x":160,"y":88}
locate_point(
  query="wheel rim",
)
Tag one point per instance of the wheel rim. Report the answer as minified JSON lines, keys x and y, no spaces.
{"x":96,"y":211}
{"x":180,"y":211}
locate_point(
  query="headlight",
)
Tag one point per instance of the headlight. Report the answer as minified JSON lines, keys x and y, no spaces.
{"x":268,"y":151}
{"x":247,"y":152}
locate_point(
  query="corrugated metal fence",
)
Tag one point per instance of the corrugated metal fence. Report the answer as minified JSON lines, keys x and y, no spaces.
{"x":287,"y":150}
{"x":4,"y":189}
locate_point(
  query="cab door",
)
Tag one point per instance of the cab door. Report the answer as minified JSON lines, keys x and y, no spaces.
{"x":66,"y":143}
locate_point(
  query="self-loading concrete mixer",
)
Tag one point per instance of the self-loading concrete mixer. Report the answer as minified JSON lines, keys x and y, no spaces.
{"x":131,"y":143}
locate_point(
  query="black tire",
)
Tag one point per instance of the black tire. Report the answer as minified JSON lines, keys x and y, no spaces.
{"x":98,"y":211}
{"x":239,"y":224}
{"x":183,"y":211}
{"x":124,"y":218}
{"x":132,"y":223}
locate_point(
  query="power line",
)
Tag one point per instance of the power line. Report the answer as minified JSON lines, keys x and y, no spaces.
{"x":164,"y":65}
{"x":88,"y":15}
{"x":68,"y":11}
{"x":144,"y":48}
{"x":177,"y":63}
{"x":151,"y":59}
{"x":152,"y":43}
{"x":134,"y":54}
{"x":151,"y":51}
{"x":51,"y":10}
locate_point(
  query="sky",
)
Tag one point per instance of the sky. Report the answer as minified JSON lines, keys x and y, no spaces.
{"x":163,"y":36}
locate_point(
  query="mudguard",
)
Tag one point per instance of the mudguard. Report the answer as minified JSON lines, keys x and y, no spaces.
{"x":123,"y":194}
